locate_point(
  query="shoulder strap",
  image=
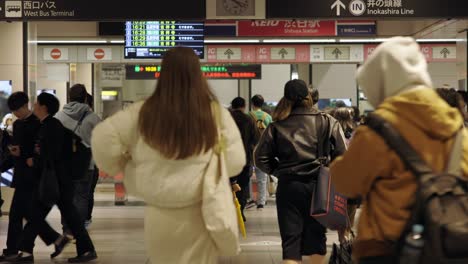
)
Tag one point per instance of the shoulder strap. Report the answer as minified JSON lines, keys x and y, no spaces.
{"x":323,"y":142}
{"x":264,"y":117}
{"x":252,"y":114}
{"x":394,"y":140}
{"x":80,"y":121}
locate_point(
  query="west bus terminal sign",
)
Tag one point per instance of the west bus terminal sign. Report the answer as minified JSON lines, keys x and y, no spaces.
{"x":100,"y":10}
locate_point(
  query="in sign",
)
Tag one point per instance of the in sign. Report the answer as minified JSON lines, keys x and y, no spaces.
{"x":99,"y":54}
{"x":55,"y":54}
{"x":357,"y":7}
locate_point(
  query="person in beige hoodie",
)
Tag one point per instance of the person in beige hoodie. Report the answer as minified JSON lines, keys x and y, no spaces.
{"x":165,"y":144}
{"x":396,"y":82}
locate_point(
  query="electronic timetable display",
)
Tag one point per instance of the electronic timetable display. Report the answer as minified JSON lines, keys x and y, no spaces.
{"x":151,"y":39}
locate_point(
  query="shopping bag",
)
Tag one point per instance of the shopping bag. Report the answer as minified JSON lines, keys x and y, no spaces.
{"x":328,"y":206}
{"x":240,"y":219}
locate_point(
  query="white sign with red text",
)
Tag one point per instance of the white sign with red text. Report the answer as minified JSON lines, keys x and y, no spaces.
{"x":55,"y":54}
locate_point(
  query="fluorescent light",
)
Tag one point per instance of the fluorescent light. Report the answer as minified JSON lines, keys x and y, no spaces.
{"x":299,"y":40}
{"x":67,"y":41}
{"x":117,"y":41}
{"x":439,"y":40}
{"x":232,"y":40}
{"x":362,"y":40}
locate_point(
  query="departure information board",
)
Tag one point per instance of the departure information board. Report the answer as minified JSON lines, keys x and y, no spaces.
{"x":150,"y":72}
{"x":151,"y":39}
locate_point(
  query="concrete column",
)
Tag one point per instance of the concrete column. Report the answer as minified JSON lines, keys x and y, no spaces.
{"x":462,"y":60}
{"x":304,"y":73}
{"x":245,"y":91}
{"x":11,"y":68}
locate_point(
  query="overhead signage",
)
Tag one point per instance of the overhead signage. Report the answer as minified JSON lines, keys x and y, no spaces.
{"x":356,"y":28}
{"x":336,"y":53}
{"x":231,"y":54}
{"x":286,"y":28}
{"x":151,"y":39}
{"x":282,"y":54}
{"x":298,"y":9}
{"x":432,"y":52}
{"x":149,"y":72}
{"x":258,"y":53}
{"x":101,"y":10}
{"x":55,"y":54}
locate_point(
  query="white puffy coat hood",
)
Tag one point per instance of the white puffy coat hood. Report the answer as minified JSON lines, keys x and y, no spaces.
{"x":396,"y":66}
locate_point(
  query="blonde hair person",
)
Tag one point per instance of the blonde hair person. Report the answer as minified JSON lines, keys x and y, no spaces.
{"x":168,"y":140}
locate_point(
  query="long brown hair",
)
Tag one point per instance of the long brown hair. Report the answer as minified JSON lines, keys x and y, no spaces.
{"x":177,"y":119}
{"x":285,"y":107}
{"x":344,"y":117}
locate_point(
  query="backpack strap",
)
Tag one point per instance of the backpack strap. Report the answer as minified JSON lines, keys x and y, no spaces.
{"x":395,"y":141}
{"x":252,"y":114}
{"x":264,"y":117}
{"x":454,"y":162}
{"x":80,"y":121}
{"x":323,"y":134}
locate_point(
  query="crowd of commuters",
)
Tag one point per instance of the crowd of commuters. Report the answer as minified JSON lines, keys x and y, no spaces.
{"x":43,"y":152}
{"x":168,"y":160}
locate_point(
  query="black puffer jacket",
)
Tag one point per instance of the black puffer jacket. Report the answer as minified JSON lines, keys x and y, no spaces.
{"x":289,"y":148}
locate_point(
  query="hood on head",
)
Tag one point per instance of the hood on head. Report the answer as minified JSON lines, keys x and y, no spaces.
{"x":75,"y":110}
{"x":395,"y":66}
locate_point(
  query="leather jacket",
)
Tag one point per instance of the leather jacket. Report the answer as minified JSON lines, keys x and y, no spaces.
{"x":289,"y":148}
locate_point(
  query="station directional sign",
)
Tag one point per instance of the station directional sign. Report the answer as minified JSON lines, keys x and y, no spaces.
{"x":298,"y":9}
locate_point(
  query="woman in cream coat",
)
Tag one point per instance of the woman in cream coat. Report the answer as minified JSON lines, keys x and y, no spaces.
{"x":164,"y":145}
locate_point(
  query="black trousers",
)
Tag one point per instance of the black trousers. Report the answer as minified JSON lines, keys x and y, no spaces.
{"x":301,"y":235}
{"x":38,"y":224}
{"x":243,"y":180}
{"x":94,"y":182}
{"x":21,"y":207}
{"x":378,"y":260}
{"x":81,"y":197}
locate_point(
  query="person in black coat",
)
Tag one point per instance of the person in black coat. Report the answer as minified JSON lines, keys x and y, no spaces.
{"x":22,"y":152}
{"x":54,"y":148}
{"x":250,"y":136}
{"x":289,"y":150}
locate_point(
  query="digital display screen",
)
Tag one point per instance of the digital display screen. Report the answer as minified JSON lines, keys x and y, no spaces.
{"x":149,"y":72}
{"x":334,"y":102}
{"x":151,"y":39}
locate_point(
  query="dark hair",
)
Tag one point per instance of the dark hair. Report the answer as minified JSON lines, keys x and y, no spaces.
{"x":340,"y":104}
{"x":78,"y":93}
{"x":257,"y":100}
{"x":452,"y":98}
{"x":50,"y":101}
{"x":343,"y":116}
{"x":17,"y":100}
{"x":237,"y":103}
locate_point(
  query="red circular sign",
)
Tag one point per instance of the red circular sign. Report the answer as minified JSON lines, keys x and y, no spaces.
{"x":99,"y":54}
{"x":55,"y":54}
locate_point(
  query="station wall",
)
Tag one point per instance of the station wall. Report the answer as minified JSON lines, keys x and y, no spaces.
{"x":11,"y":54}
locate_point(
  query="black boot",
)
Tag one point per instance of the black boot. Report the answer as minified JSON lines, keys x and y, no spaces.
{"x":60,"y":246}
{"x":23,"y":259}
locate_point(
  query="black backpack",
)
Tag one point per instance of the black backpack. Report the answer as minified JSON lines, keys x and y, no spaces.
{"x":441,"y":201}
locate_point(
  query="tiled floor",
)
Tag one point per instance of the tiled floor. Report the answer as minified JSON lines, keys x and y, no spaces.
{"x":118,"y":235}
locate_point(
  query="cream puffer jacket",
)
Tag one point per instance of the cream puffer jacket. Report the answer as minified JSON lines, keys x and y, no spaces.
{"x":160,"y":181}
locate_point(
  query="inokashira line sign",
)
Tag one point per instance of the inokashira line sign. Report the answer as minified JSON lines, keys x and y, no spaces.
{"x":366,"y":8}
